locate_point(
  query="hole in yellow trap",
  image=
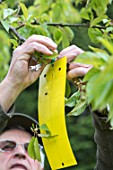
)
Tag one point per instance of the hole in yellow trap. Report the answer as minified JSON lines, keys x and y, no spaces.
{"x":62,"y":164}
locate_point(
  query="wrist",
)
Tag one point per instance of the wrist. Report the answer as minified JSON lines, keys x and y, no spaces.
{"x":11,"y":86}
{"x":8,"y":93}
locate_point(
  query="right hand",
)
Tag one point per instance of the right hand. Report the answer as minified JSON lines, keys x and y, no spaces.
{"x":19,"y":74}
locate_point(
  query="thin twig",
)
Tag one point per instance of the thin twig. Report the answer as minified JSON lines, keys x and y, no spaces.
{"x":20,"y":26}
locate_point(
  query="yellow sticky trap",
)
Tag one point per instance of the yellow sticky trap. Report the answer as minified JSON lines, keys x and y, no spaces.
{"x":51,"y":112}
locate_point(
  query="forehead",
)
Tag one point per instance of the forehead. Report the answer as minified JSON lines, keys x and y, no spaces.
{"x":16,"y":135}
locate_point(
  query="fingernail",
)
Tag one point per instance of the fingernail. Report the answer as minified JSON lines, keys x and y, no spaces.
{"x":56,"y":51}
{"x":50,"y":52}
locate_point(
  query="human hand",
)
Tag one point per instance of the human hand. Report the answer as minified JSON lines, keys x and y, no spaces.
{"x":19,"y":73}
{"x":74,"y":69}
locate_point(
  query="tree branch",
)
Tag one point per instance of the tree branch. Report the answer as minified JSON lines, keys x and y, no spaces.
{"x":63,"y":25}
{"x":14,"y":31}
{"x":69,"y":25}
{"x":22,"y":39}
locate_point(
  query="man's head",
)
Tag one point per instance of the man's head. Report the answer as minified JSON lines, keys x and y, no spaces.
{"x":13,"y":146}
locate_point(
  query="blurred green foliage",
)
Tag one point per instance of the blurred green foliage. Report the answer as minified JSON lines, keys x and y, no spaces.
{"x":4,"y":53}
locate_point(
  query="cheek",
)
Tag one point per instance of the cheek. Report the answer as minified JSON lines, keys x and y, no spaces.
{"x":4,"y":157}
{"x":35,"y":164}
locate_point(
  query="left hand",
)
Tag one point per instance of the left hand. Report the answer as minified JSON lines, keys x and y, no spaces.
{"x":75,"y":69}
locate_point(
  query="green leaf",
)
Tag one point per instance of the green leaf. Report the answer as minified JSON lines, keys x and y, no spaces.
{"x":8,"y":12}
{"x":102,"y":53}
{"x":56,"y":7}
{"x":99,"y":87}
{"x":65,"y":40}
{"x":13,"y":20}
{"x":4,"y":53}
{"x":57,"y":36}
{"x":98,"y":20}
{"x":43,"y":5}
{"x":98,"y":50}
{"x":46,"y":130}
{"x":44,"y":127}
{"x":68,"y":89}
{"x":94,"y":33}
{"x":34,"y":149}
{"x":109,"y":29}
{"x":94,"y":59}
{"x":107,"y":44}
{"x":105,"y":90}
{"x":69,"y":33}
{"x":70,"y":102}
{"x":86,"y":13}
{"x":78,"y":109}
{"x":44,"y":135}
{"x":14,"y":42}
{"x":100,"y":6}
{"x":37,"y":150}
{"x":88,"y":1}
{"x":24,"y":10}
{"x":91,"y":73}
{"x":31,"y":148}
{"x":67,"y":36}
{"x":5,"y":25}
{"x":39,"y":56}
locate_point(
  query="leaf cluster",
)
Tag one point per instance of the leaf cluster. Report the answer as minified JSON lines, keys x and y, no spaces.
{"x":100,"y":78}
{"x":34,"y":19}
{"x":34,"y":148}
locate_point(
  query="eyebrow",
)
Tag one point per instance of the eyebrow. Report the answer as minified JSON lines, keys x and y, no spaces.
{"x":1,"y":140}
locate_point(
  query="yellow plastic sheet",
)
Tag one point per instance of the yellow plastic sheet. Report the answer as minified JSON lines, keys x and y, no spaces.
{"x":51,"y":112}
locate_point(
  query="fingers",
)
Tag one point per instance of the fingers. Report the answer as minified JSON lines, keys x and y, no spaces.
{"x":71,"y":52}
{"x":76,"y":70}
{"x":33,"y":47}
{"x":35,"y":43}
{"x":76,"y":65}
{"x":42,"y":40}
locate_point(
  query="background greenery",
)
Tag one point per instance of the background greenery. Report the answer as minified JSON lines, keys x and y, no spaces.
{"x":80,"y":129}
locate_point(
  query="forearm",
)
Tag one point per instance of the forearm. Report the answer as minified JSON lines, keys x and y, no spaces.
{"x":8,"y":94}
